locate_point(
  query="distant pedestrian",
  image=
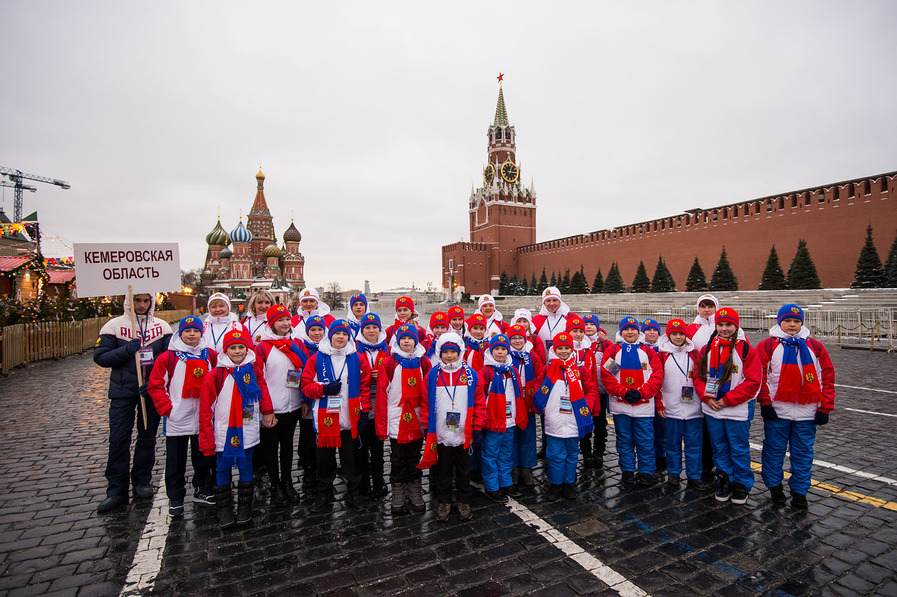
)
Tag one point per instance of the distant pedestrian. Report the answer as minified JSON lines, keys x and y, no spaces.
{"x":116,"y":349}
{"x":797,"y":395}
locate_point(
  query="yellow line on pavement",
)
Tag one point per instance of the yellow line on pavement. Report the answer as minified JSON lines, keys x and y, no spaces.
{"x":841,"y":492}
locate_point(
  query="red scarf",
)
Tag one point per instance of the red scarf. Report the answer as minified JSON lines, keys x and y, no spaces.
{"x":496,"y":401}
{"x":194,"y":373}
{"x":411,"y":379}
{"x":283,"y":345}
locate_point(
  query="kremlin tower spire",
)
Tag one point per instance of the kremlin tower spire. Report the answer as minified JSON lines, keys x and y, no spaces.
{"x":261,"y":225}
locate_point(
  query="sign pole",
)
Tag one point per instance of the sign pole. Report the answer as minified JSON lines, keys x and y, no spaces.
{"x":134,"y":333}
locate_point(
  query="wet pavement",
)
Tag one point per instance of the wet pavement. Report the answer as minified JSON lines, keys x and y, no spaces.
{"x":613,"y":539}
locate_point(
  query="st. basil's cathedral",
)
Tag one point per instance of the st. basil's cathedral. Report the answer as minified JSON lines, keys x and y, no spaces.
{"x":247,"y":259}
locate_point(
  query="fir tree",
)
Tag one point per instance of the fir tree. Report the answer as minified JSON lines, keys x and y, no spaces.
{"x":614,"y":282}
{"x":802,"y":272}
{"x":598,"y":284}
{"x":641,"y":283}
{"x":663,"y":279}
{"x":554,"y":280}
{"x":585,"y":281}
{"x":565,"y":282}
{"x":773,"y":276}
{"x":543,"y":282}
{"x":522,"y":287}
{"x":533,"y":286}
{"x":696,"y":279}
{"x":869,"y":273}
{"x":723,"y":277}
{"x":891,"y":266}
{"x":578,"y":284}
{"x":503,"y":283}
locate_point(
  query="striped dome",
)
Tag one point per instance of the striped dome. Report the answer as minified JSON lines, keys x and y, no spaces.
{"x":240,"y":234}
{"x":217,"y":236}
{"x":225,"y":253}
{"x":292,"y":235}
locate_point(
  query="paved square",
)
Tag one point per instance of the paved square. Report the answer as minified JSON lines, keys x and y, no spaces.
{"x":613,"y":539}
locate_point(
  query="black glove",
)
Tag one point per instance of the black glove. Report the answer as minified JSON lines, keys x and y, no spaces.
{"x":141,"y":391}
{"x":133,"y":346}
{"x":332,"y":388}
{"x":363,"y":422}
{"x":632,"y":396}
{"x":821,"y":418}
{"x":477,"y":437}
{"x":768,"y":412}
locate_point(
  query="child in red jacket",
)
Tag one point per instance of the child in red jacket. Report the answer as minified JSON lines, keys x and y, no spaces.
{"x":727,"y":381}
{"x":632,"y":375}
{"x":449,"y":413}
{"x":336,"y":385}
{"x":399,"y":395}
{"x":234,"y":402}
{"x":797,"y":395}
{"x":594,"y":444}
{"x":175,"y":385}
{"x":530,"y":370}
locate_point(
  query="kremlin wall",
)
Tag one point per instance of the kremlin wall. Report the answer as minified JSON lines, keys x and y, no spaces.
{"x":831,"y":217}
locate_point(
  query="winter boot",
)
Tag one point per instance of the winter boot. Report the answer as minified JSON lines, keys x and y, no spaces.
{"x":224,"y":501}
{"x":414,"y":494}
{"x":398,"y":498}
{"x":526,"y":477}
{"x":244,"y":501}
{"x":290,"y":492}
{"x":515,"y":475}
{"x":278,"y":498}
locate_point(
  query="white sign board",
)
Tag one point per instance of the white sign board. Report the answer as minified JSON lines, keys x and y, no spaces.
{"x":107,"y":269}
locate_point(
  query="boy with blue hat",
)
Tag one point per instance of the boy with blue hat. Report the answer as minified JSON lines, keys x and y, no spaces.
{"x":174,"y":385}
{"x":797,"y":395}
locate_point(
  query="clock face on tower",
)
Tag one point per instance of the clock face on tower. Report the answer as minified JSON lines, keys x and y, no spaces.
{"x":509,"y":171}
{"x":489,"y":174}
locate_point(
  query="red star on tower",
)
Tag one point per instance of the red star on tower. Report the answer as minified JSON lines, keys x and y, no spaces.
{"x":500,"y":77}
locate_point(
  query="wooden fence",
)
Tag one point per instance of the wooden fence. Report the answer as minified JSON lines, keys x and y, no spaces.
{"x":25,"y":343}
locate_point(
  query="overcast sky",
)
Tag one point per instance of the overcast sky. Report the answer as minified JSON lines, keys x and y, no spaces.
{"x":369,"y":119}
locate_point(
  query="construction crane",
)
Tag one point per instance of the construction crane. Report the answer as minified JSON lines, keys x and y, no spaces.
{"x":16,"y":177}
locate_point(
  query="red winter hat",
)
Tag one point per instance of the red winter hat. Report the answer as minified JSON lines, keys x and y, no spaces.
{"x":236,"y":337}
{"x":562,"y":339}
{"x":676,"y":325}
{"x":477,"y":319}
{"x":404,"y":301}
{"x":455,"y":311}
{"x":574,"y":322}
{"x":276,"y":312}
{"x":438,"y":318}
{"x":727,"y":314}
{"x":518,"y":330}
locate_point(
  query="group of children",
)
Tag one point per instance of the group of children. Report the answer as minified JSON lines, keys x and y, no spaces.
{"x":460,"y":398}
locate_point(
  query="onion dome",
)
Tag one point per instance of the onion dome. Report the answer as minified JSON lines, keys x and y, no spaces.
{"x":225,"y":253}
{"x":260,"y":176}
{"x":292,"y":235}
{"x":240,"y":234}
{"x":217,"y":236}
{"x":271,"y":251}
{"x":206,"y":275}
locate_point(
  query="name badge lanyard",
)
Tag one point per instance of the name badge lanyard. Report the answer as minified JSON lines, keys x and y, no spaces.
{"x":446,"y":385}
{"x":143,"y":330}
{"x":673,"y":356}
{"x":338,"y":377}
{"x":215,"y":339}
{"x":257,"y":328}
{"x":552,"y":327}
{"x":567,"y":394}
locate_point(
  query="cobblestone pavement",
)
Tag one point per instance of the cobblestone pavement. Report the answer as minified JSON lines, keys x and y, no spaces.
{"x":663,"y":541}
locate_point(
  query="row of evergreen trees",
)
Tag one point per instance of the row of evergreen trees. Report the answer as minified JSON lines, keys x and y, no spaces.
{"x":801,"y":275}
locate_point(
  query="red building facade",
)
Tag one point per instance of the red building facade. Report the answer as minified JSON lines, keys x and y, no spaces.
{"x":832,"y":218}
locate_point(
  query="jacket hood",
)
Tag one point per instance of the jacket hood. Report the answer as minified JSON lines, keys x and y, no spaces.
{"x":224,"y":360}
{"x":129,"y":307}
{"x":178,"y":345}
{"x":777,"y":332}
{"x":327,"y":348}
{"x":664,"y":345}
